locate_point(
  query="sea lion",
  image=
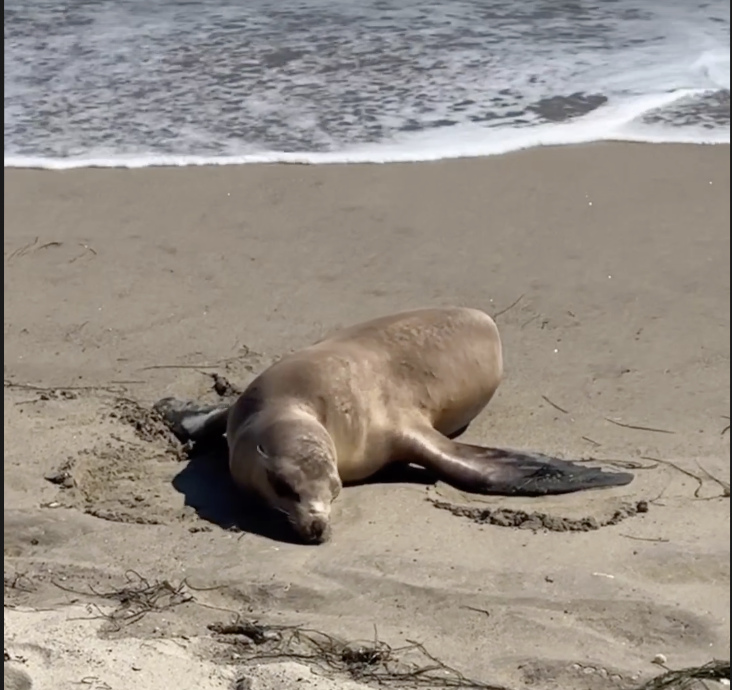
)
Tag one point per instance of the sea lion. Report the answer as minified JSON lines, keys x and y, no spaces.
{"x":395,"y":389}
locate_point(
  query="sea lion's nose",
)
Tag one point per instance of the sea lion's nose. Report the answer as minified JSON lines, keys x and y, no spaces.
{"x":318,"y":530}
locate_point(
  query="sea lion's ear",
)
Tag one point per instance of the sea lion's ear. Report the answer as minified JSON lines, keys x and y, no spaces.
{"x":262,"y":452}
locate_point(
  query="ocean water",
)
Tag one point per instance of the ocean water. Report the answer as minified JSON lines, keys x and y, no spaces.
{"x":132,"y":83}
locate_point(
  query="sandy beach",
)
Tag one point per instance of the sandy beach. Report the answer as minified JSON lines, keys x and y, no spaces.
{"x":607,"y":270}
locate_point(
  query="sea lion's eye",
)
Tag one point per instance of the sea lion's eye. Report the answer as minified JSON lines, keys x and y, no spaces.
{"x":282,"y":488}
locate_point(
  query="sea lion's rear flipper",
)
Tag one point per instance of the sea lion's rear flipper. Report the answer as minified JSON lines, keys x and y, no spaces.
{"x":502,"y":471}
{"x":191,"y":421}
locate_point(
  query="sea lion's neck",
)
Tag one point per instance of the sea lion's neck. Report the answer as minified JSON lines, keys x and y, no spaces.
{"x":288,"y":410}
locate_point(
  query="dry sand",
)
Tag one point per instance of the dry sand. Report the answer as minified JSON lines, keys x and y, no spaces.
{"x":614,"y":261}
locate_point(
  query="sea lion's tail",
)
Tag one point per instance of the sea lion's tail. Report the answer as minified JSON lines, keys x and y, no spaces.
{"x":191,"y":421}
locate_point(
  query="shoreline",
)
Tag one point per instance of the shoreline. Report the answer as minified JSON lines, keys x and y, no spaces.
{"x":607,"y":268}
{"x":340,"y":158}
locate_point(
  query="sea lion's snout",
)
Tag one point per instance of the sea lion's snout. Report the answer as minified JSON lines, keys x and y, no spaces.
{"x":316,"y":531}
{"x":313,"y":522}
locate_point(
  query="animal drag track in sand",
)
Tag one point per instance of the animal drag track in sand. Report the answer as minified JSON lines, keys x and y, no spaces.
{"x":126,"y":476}
{"x":535,"y":520}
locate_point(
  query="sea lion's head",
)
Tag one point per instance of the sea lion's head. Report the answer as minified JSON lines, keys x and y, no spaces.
{"x":296,"y":473}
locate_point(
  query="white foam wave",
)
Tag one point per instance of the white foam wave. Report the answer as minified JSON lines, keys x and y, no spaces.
{"x":224,"y":82}
{"x":620,"y":122}
{"x":714,"y":65}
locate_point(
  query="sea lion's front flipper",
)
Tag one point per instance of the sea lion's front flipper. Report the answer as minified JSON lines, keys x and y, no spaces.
{"x":191,"y":421}
{"x":503,"y":471}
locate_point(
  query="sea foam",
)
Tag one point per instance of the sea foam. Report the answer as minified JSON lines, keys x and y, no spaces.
{"x":126,"y":83}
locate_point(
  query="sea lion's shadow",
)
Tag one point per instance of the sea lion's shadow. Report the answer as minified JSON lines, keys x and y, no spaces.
{"x":208,"y":488}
